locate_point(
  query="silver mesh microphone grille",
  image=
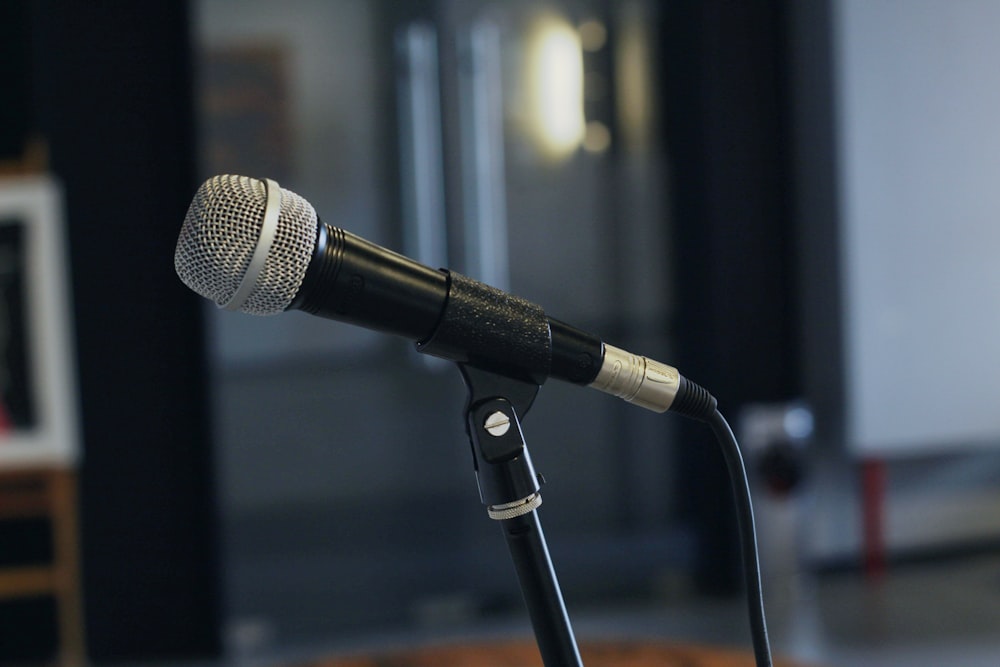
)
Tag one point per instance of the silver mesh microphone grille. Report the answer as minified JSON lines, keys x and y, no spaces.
{"x":221,"y":232}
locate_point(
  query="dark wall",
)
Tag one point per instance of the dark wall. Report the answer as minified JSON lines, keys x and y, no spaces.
{"x":15,"y":111}
{"x":113,"y":94}
{"x":726,"y":107}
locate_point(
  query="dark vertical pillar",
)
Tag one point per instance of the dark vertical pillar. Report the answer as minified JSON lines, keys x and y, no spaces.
{"x":113,"y":97}
{"x":726,"y":110}
{"x":14,"y":80}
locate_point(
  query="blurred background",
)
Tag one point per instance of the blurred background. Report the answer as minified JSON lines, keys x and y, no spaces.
{"x":793,"y":202}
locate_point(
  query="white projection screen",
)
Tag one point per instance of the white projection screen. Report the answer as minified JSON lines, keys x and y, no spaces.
{"x":917,"y":90}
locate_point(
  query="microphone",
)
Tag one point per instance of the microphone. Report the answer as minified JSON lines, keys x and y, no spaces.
{"x":251,"y":246}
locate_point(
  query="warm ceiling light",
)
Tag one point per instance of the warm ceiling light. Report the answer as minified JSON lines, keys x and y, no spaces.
{"x":555,"y":72}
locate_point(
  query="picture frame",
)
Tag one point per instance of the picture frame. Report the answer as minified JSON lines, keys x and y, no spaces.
{"x":38,"y":409}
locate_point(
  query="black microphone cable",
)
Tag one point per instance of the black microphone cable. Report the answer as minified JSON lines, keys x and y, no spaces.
{"x":697,"y":403}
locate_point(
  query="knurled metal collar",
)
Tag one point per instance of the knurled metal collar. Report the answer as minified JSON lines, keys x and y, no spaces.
{"x":515,"y":509}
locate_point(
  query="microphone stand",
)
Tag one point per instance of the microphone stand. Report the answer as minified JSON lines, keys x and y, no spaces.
{"x":509,"y":488}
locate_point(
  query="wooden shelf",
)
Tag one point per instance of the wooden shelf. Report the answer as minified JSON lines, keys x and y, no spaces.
{"x":48,"y":493}
{"x":27,"y":581}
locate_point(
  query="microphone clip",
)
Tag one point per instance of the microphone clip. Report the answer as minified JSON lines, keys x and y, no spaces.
{"x":508,"y":484}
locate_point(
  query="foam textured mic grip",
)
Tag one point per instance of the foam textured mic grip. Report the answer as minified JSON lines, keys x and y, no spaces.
{"x":493,"y":330}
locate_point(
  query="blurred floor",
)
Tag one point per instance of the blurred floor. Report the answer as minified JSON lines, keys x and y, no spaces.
{"x":922,"y":615}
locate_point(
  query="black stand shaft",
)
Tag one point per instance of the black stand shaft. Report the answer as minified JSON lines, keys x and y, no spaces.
{"x":510,"y":490}
{"x":541,"y":590}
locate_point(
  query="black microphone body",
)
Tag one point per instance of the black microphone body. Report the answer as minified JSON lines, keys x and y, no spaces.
{"x":356,"y":281}
{"x":447,"y":314}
